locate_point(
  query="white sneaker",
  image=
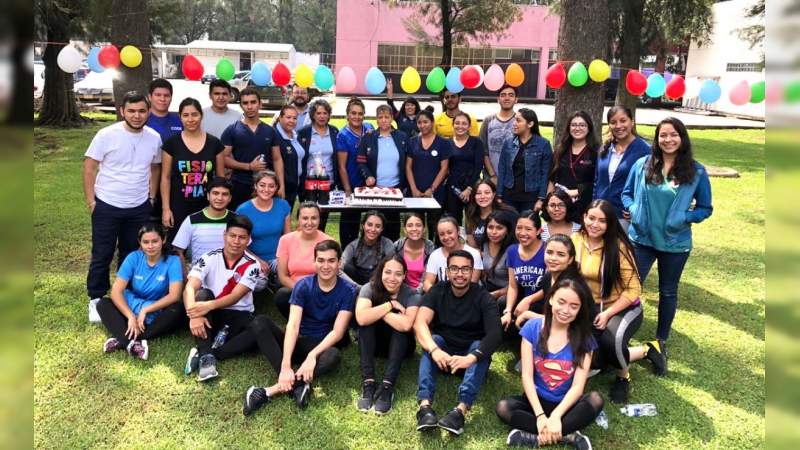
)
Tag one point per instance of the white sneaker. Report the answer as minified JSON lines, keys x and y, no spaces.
{"x":94,"y":316}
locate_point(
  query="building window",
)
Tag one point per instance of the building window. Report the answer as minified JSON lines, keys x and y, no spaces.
{"x":743,"y":67}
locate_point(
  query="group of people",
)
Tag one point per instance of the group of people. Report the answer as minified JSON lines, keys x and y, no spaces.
{"x":547,"y":250}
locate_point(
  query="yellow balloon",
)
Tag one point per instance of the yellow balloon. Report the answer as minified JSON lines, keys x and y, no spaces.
{"x":303,"y":76}
{"x":599,"y":70}
{"x":130,"y":56}
{"x":410,"y":80}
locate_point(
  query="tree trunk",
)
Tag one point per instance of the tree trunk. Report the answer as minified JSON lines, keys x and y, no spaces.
{"x":447,"y":38}
{"x":130,"y":26}
{"x":582,"y":36}
{"x":630,"y":49}
{"x":21,"y":109}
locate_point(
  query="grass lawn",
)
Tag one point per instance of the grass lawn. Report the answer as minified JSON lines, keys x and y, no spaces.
{"x":713,"y":397}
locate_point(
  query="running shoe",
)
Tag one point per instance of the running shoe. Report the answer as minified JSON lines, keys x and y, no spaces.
{"x":519,"y":438}
{"x":620,"y":390}
{"x":367,"y":396}
{"x":208,"y":368}
{"x":94,"y":316}
{"x":111,"y":345}
{"x":192,"y":362}
{"x":426,"y":418}
{"x":139,"y":349}
{"x":302,"y":394}
{"x":254,"y":398}
{"x":384,"y":398}
{"x":453,"y":421}
{"x":657,"y":354}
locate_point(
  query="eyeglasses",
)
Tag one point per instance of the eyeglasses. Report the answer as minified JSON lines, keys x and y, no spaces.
{"x":578,"y":125}
{"x":556,"y":205}
{"x":455,"y":269}
{"x":448,"y":97}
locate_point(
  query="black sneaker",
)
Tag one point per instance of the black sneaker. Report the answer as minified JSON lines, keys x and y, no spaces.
{"x":519,"y":438}
{"x":426,"y":418}
{"x":580,"y":441}
{"x":620,"y":390}
{"x":367,"y":396}
{"x":453,"y":421}
{"x":384,"y":398}
{"x":657,"y":354}
{"x":302,"y":394}
{"x":254,"y":398}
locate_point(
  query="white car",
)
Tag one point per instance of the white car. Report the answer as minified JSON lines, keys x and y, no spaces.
{"x":96,"y":87}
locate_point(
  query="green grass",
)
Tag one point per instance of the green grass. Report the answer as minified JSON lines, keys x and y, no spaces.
{"x":713,"y":397}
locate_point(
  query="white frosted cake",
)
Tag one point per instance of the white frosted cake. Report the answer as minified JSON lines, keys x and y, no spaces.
{"x":377,"y":196}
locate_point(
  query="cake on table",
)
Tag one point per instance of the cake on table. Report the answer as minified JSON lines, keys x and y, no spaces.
{"x":377,"y":196}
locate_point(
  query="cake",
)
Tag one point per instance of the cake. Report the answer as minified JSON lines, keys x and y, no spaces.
{"x":377,"y":196}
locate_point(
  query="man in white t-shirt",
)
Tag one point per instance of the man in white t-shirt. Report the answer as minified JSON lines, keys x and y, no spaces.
{"x":219,"y":115}
{"x":121,"y":171}
{"x":204,"y":230}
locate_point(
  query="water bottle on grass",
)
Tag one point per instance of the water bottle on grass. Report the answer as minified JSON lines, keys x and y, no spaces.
{"x":639,"y":410}
{"x":220,"y":338}
{"x":602,"y":420}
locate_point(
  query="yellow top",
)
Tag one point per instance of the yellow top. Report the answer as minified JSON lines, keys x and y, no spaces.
{"x":590,"y":261}
{"x":443,"y":126}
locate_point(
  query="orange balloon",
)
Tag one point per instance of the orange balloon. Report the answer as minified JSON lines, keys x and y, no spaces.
{"x":515,"y":75}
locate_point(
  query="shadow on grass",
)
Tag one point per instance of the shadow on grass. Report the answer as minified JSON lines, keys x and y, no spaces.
{"x":746,"y":317}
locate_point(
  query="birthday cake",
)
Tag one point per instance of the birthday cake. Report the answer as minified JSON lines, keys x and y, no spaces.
{"x":377,"y":196}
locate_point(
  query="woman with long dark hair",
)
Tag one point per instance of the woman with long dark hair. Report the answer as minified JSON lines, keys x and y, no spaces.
{"x":666,"y":193}
{"x":483,"y":201}
{"x":466,"y":165}
{"x":406,"y":116}
{"x":414,"y":248}
{"x":347,"y":143}
{"x":525,"y":266}
{"x":575,"y":160}
{"x":558,"y":214}
{"x":361,"y":257}
{"x":524,"y":164}
{"x":499,"y":236}
{"x":427,"y":165}
{"x":436,"y":268}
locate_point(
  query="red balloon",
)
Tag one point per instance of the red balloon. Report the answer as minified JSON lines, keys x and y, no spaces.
{"x":470,"y":77}
{"x":556,"y":76}
{"x":108,"y":57}
{"x":192,"y":68}
{"x":635,"y":82}
{"x":281,"y":75}
{"x":676,"y":87}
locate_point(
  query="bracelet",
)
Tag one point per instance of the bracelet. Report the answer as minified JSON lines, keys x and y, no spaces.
{"x":540,"y":414}
{"x":430,"y":352}
{"x":507,"y":311}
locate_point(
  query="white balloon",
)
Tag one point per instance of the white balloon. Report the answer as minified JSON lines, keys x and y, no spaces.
{"x":69,"y":60}
{"x":692,"y":87}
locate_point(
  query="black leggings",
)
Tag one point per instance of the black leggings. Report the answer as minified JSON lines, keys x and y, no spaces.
{"x":281,"y":299}
{"x":517,"y":412}
{"x":380,"y":339}
{"x":167,"y":320}
{"x":612,"y":343}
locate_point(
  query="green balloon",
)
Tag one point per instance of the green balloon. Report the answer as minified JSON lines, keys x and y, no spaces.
{"x":577,"y":75}
{"x":758,"y":92}
{"x":435,"y":80}
{"x":225,"y":69}
{"x":792,"y":92}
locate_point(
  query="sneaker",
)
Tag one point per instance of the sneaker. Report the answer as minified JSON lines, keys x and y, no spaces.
{"x":521,"y":438}
{"x":139,"y":349}
{"x":426,"y":418}
{"x":384,"y":399}
{"x":453,"y":421}
{"x":302,"y":394}
{"x":620,"y":390}
{"x":254,"y":398}
{"x":94,"y":316}
{"x":367,"y":396}
{"x":207,"y":368}
{"x":657,"y":354}
{"x":192,"y":362}
{"x":111,"y":345}
{"x":579,"y":441}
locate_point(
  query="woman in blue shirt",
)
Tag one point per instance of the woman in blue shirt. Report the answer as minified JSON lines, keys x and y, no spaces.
{"x":293,"y":154}
{"x":659,"y":193}
{"x":466,"y":165}
{"x":526,"y":266}
{"x":145,"y":298}
{"x":524,"y":164}
{"x":347,"y":143}
{"x":427,"y":165}
{"x":319,"y":141}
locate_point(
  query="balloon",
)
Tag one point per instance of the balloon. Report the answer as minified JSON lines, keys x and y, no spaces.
{"x":577,"y":74}
{"x":757,"y":92}
{"x":259,"y":73}
{"x":303,"y":76}
{"x":281,"y":75}
{"x":494,"y":78}
{"x":108,"y":57}
{"x":710,"y":91}
{"x":692,"y":88}
{"x":791,"y":92}
{"x":435,"y":80}
{"x":69,"y":60}
{"x":323,"y":78}
{"x":514,"y":75}
{"x":635,"y":82}
{"x":470,"y":77}
{"x":556,"y":76}
{"x":375,"y":81}
{"x":655,"y":85}
{"x":773,"y":93}
{"x":192,"y":68}
{"x":130,"y":56}
{"x":480,"y":72}
{"x":225,"y":69}
{"x":676,"y":87}
{"x":346,"y":80}
{"x":740,"y":93}
{"x":453,"y":80}
{"x":92,"y":62}
{"x":599,"y":70}
{"x":410,"y":80}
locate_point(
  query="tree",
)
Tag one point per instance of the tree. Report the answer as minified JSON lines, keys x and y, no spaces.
{"x":316,"y":26}
{"x":130,"y":25}
{"x":754,"y":34}
{"x":582,"y":36}
{"x":182,"y":21}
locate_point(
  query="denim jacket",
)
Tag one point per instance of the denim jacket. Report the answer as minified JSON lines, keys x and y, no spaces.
{"x":367,"y":158}
{"x":538,"y":159}
{"x":681,"y":215}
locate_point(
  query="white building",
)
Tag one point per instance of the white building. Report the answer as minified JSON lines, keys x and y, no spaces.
{"x":727,"y":59}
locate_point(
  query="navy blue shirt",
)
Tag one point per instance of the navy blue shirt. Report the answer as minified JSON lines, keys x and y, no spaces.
{"x":320,"y":308}
{"x":466,"y":163}
{"x":427,"y":162}
{"x":247,"y":145}
{"x":166,"y":126}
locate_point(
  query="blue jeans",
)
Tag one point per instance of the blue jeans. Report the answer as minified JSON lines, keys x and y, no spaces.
{"x":474,"y":375}
{"x":670,"y":268}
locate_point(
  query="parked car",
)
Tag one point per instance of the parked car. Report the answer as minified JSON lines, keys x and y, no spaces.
{"x":96,"y":87}
{"x":271,"y":95}
{"x":208,"y":78}
{"x":237,"y":84}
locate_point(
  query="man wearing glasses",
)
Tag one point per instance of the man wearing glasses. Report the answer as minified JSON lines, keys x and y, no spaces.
{"x":496,"y":128}
{"x":458,"y":327}
{"x":443,"y":123}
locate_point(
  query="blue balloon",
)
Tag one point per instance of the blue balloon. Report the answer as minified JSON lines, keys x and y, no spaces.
{"x":452,"y":82}
{"x":93,"y":62}
{"x":260,"y":74}
{"x":375,"y":81}
{"x":656,"y":85}
{"x":323,"y":78}
{"x":710,"y":91}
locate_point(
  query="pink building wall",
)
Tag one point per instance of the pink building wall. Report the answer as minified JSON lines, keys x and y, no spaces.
{"x":363,"y":24}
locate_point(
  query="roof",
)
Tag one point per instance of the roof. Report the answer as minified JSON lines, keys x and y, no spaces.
{"x":241,"y":46}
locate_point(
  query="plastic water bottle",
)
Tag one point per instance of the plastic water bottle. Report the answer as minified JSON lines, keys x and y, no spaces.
{"x":602,"y":420}
{"x":456,"y":190}
{"x":220,"y":338}
{"x":639,"y":410}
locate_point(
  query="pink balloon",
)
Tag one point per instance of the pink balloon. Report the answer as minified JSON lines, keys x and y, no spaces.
{"x":494,"y":78}
{"x":740,"y":93}
{"x":774,"y":93}
{"x":346,"y":80}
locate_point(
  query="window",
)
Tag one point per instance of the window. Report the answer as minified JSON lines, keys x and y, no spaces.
{"x":394,"y":58}
{"x":743,"y":67}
